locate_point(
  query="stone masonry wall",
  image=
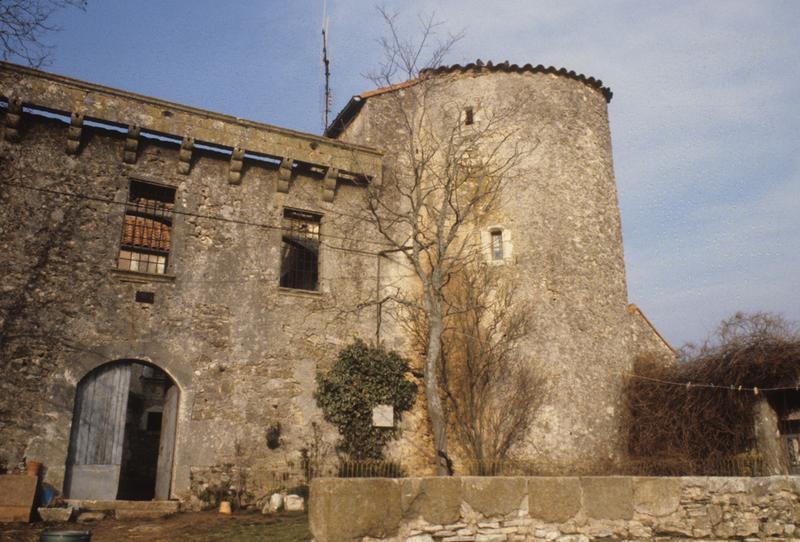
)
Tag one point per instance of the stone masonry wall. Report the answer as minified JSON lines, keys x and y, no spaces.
{"x":560,"y":211}
{"x":560,"y":509}
{"x":242,"y":350}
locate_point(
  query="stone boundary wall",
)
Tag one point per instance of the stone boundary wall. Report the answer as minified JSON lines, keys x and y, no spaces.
{"x":561,"y":509}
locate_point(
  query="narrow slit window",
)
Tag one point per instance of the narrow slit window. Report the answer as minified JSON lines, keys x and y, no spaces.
{"x":146,"y":230}
{"x":497,"y":245}
{"x":469,"y":116}
{"x":300,"y":250}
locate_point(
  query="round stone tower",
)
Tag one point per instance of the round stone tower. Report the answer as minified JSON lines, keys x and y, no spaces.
{"x":554,"y":235}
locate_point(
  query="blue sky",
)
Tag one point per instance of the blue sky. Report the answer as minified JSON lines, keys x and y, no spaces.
{"x":705,"y":118}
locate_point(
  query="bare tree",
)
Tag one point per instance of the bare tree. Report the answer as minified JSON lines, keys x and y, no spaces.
{"x":23,"y":25}
{"x":493,"y":393}
{"x":742,"y":329}
{"x":445,"y":177}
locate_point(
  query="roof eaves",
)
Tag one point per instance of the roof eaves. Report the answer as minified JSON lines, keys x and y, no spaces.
{"x":355,"y":104}
{"x":634,"y":309}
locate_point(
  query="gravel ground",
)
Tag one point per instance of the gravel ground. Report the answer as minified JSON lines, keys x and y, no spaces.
{"x":190,"y":526}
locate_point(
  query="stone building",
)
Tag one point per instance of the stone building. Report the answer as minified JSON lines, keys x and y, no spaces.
{"x":173,"y":279}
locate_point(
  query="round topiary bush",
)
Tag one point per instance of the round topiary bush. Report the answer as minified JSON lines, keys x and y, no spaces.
{"x":363,"y":377}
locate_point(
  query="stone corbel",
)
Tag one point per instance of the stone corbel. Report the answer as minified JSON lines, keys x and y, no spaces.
{"x":13,"y":119}
{"x":284,"y":175}
{"x":131,"y":145}
{"x":237,"y":161}
{"x":185,"y":155}
{"x":75,"y":132}
{"x":329,"y":184}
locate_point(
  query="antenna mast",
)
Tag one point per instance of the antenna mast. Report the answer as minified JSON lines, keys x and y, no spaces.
{"x":326,"y":63}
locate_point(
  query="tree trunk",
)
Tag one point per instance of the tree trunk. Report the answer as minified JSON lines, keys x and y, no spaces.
{"x":434,"y":400}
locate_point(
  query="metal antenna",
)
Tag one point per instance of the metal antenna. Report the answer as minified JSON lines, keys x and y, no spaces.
{"x":326,"y":63}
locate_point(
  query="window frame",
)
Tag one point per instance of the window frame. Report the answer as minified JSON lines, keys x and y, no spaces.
{"x":496,"y":245}
{"x":488,"y":235}
{"x":469,"y":115}
{"x":160,"y":218}
{"x":298,"y":279}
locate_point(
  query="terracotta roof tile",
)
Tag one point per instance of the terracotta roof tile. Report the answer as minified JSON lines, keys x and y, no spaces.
{"x":357,"y":102}
{"x":505,"y":66}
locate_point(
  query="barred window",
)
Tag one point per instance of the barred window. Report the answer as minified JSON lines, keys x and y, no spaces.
{"x":146,"y":230}
{"x":300,"y":250}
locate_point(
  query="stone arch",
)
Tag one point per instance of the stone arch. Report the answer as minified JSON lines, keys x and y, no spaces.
{"x":122,"y":440}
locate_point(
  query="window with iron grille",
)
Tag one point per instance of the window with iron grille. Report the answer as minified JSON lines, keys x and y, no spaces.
{"x":300,"y":250}
{"x":146,"y":230}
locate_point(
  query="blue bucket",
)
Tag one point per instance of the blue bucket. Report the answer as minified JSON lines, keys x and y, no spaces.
{"x":66,"y":536}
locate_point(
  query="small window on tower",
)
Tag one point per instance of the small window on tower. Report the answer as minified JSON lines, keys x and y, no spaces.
{"x":497,"y":245}
{"x":300,"y":250}
{"x":469,"y":116}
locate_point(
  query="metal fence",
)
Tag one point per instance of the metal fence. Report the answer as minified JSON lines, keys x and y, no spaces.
{"x":351,"y":468}
{"x":745,"y":464}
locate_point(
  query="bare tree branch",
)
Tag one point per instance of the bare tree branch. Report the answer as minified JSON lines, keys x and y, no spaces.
{"x":444,"y":180}
{"x":24,"y":24}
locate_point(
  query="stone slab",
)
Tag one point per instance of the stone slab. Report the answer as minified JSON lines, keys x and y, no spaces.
{"x":554,"y":499}
{"x":128,"y":509}
{"x":17,"y":493}
{"x":99,"y":482}
{"x":437,"y":500}
{"x":90,"y":517}
{"x":608,"y":497}
{"x":656,"y":496}
{"x":494,"y":496}
{"x":344,"y":510}
{"x":294,"y":503}
{"x":55,"y":515}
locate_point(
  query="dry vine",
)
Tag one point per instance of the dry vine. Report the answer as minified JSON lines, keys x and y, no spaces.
{"x":697,"y":426}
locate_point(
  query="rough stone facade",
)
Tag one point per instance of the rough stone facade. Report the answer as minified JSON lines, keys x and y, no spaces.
{"x":242,"y":350}
{"x":563,"y":220}
{"x":567,"y":509}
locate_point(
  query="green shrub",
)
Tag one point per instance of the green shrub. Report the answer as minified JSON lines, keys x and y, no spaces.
{"x":363,"y":377}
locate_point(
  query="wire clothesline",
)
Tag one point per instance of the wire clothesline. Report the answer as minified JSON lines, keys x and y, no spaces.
{"x":728,"y":387}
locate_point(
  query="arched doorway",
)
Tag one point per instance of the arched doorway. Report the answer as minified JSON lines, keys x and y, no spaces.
{"x":123,"y":434}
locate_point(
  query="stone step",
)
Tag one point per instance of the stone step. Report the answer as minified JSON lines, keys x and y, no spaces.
{"x":128,"y":509}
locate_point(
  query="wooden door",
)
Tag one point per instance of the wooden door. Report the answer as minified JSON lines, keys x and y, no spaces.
{"x":98,"y":432}
{"x":166,"y":447}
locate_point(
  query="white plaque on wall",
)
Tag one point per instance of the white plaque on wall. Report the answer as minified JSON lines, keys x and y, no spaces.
{"x":383,"y":416}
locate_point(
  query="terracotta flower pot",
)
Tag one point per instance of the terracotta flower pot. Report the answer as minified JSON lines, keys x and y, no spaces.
{"x":225,"y":508}
{"x":33,"y":467}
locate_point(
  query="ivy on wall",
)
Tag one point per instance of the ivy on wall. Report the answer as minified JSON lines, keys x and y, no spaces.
{"x":363,"y":377}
